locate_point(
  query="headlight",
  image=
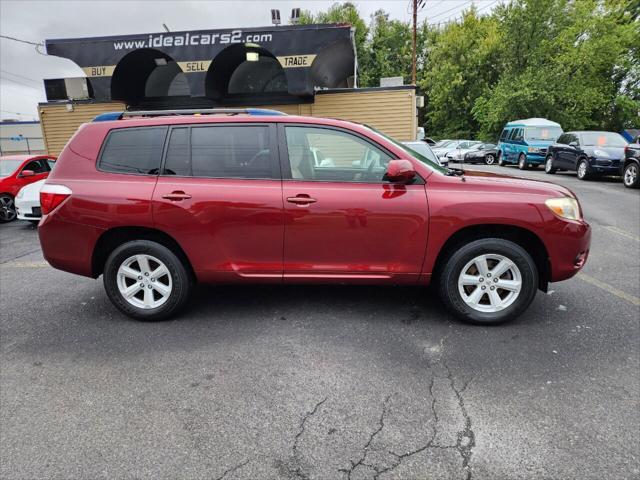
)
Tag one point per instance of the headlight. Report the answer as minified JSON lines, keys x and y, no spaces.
{"x":600,"y":153}
{"x":565,"y":207}
{"x":534,"y":150}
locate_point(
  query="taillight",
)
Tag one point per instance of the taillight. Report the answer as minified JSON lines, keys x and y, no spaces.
{"x":51,"y":196}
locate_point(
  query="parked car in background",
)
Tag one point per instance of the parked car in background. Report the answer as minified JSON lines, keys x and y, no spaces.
{"x":423,"y":149}
{"x":588,"y":153}
{"x":28,"y":202}
{"x":481,"y":153}
{"x":17,"y":171}
{"x":525,"y":142}
{"x":450,"y":146}
{"x":631,"y":165}
{"x":457,"y":154}
{"x":155,"y":204}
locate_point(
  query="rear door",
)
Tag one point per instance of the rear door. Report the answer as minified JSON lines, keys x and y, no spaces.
{"x":343,"y":220}
{"x":220,"y":196}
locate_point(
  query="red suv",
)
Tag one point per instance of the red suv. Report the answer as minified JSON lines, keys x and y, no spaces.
{"x":154,"y":203}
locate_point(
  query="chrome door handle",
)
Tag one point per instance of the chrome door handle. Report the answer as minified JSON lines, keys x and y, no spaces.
{"x":299,"y":200}
{"x":176,"y":196}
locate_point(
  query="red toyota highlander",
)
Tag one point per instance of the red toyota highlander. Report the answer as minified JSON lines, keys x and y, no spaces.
{"x":155,"y":202}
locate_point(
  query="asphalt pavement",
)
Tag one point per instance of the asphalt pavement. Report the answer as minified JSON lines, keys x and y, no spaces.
{"x":326,"y":382}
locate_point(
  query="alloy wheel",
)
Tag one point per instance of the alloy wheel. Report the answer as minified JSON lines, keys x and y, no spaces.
{"x":7,"y":209}
{"x":490,"y":283}
{"x":582,"y":169}
{"x":489,"y":159}
{"x":631,"y":175}
{"x":144,"y":281}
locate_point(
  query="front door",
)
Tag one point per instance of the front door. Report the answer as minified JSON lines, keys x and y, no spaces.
{"x":342,"y":219}
{"x":220,"y":196}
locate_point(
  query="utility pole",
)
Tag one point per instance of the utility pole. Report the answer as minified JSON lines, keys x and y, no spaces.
{"x":413,"y":60}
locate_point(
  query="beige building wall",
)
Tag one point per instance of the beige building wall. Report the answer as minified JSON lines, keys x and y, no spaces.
{"x":392,"y":111}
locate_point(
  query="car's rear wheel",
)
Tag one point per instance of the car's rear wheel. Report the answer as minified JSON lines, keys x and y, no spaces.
{"x":489,"y":159}
{"x":488,"y":281}
{"x":582,"y":170}
{"x":548,"y":166}
{"x":146,"y":280}
{"x":631,"y":175}
{"x":7,"y":208}
{"x":522,"y":162}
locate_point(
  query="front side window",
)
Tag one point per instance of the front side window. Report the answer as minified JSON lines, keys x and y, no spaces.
{"x":36,"y":166}
{"x":133,"y":150}
{"x":517,"y":135}
{"x":220,"y":151}
{"x":346,"y":157}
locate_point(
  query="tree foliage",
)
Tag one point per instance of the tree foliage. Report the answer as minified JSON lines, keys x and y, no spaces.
{"x":576,"y":62}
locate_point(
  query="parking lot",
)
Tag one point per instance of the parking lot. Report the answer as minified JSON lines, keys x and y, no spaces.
{"x":326,"y":382}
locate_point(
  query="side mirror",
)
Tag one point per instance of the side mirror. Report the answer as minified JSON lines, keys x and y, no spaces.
{"x":27,"y":173}
{"x":573,"y":144}
{"x":400,"y":171}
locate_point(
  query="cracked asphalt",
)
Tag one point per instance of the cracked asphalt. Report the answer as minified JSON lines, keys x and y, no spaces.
{"x":322,"y":383}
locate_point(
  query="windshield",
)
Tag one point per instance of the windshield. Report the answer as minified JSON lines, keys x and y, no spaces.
{"x":421,"y":158}
{"x":423,"y":149}
{"x":603,"y":139}
{"x":7,"y":167}
{"x":542,"y":133}
{"x":442,"y":143}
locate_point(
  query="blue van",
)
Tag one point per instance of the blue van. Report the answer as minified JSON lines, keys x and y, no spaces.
{"x":525,"y":142}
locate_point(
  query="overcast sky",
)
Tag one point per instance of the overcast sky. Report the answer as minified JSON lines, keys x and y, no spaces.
{"x":22,"y":68}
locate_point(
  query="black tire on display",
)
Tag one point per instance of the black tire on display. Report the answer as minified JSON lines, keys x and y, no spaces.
{"x":631,"y":175}
{"x":548,"y":166}
{"x":166,"y":294}
{"x":583,"y":172}
{"x":7,"y":208}
{"x":456,"y":269}
{"x":522,"y":162}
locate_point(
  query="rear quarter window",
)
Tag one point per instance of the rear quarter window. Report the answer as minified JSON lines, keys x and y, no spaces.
{"x":133,"y":151}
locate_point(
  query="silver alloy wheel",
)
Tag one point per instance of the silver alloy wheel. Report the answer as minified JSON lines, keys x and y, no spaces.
{"x":144,"y":281}
{"x":489,"y":159}
{"x":582,"y":169}
{"x":7,"y":208}
{"x":490,"y":283}
{"x":630,"y":174}
{"x":549,"y":165}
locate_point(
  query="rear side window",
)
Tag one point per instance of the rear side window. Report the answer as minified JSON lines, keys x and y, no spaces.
{"x":222,"y":151}
{"x":133,"y":150}
{"x":504,"y":134}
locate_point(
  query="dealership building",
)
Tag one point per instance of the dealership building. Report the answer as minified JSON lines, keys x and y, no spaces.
{"x":298,"y":69}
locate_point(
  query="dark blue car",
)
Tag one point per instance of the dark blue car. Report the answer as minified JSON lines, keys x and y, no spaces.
{"x":588,"y":153}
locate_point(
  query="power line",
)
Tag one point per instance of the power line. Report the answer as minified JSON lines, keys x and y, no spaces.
{"x":18,"y":83}
{"x":21,"y":76}
{"x":449,"y":10}
{"x":19,"y":113}
{"x":22,"y":41}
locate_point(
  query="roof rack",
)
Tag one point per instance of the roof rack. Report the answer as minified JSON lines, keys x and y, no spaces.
{"x":107,"y":116}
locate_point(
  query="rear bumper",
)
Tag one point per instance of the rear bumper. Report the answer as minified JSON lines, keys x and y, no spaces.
{"x":68,"y":246}
{"x":28,"y":210}
{"x":568,"y":244}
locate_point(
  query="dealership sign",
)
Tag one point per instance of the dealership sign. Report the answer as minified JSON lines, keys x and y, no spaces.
{"x":312,"y":56}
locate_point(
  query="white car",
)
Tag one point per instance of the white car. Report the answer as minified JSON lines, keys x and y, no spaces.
{"x":452,"y":146}
{"x":464,"y":147}
{"x":28,"y":202}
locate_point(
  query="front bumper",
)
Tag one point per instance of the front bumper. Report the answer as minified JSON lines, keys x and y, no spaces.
{"x":606,"y":166}
{"x":568,"y":244}
{"x":28,"y":210}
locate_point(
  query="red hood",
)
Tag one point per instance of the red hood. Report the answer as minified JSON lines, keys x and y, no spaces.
{"x":501,"y":183}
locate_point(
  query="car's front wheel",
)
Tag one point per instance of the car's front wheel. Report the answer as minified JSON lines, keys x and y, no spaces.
{"x":146,"y":281}
{"x":522,"y":162}
{"x":7,"y":208}
{"x":501,"y":159}
{"x":631,"y":175}
{"x":489,"y":159}
{"x":582,"y":170}
{"x":548,"y":166}
{"x":488,"y":281}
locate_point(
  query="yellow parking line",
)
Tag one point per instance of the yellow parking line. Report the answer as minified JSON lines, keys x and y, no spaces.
{"x":624,"y":233}
{"x":608,"y":288}
{"x":24,"y":265}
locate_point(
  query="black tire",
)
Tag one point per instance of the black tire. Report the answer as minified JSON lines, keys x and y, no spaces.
{"x":548,"y":165}
{"x":501,"y":162}
{"x":7,"y":208}
{"x":181,"y":280}
{"x":489,"y":159}
{"x":522,"y":162}
{"x":448,"y":280}
{"x":583,"y":171}
{"x":34,"y":223}
{"x":631,"y":175}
